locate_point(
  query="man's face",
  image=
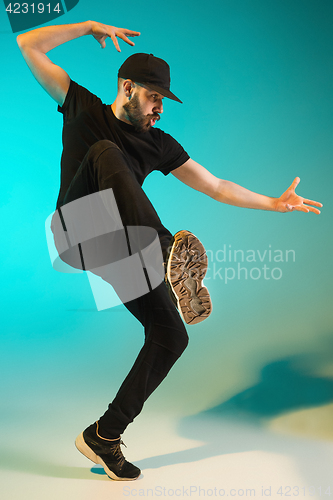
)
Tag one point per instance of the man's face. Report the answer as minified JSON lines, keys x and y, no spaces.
{"x":144,"y":108}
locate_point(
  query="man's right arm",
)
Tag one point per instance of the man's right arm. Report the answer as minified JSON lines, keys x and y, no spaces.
{"x":36,"y":43}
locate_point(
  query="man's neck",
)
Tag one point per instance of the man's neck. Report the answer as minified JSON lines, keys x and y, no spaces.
{"x":119,"y":111}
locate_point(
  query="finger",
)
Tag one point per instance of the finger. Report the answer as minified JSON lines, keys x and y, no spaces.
{"x":102,"y":42}
{"x":315,"y":203}
{"x":124,"y":37}
{"x":301,"y":208}
{"x":305,"y":208}
{"x":314,"y":210}
{"x":115,"y":41}
{"x":295,"y":183}
{"x":131,"y":33}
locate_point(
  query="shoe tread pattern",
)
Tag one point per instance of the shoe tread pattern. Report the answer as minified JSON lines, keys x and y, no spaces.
{"x":187,"y":266}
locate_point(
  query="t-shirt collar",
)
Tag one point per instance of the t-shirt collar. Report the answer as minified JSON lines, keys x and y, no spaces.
{"x":123,"y":125}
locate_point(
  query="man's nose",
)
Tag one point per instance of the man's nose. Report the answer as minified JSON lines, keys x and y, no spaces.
{"x":158,"y":106}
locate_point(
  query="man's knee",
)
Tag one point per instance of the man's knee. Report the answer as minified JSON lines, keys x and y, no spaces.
{"x":174,"y":338}
{"x":182,"y":342}
{"x":163,"y":353}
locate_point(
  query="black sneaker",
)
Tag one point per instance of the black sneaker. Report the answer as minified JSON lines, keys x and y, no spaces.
{"x":185,"y":269}
{"x":107,"y":453}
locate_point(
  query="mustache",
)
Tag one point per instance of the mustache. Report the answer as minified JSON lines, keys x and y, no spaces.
{"x":154,"y":116}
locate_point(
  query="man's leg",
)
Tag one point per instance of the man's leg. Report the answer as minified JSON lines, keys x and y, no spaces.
{"x":105,"y":167}
{"x":165,"y":341}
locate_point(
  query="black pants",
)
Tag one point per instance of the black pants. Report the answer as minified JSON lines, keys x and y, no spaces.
{"x":104,"y":167}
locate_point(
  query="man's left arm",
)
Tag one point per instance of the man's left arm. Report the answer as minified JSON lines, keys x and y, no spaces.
{"x":196,"y":176}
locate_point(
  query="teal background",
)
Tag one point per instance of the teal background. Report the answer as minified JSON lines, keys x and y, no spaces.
{"x":256,"y":81}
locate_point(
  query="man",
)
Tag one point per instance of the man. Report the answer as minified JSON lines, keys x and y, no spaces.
{"x":114,"y":148}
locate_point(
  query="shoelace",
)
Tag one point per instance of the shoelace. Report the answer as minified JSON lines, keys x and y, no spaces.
{"x":118,"y":453}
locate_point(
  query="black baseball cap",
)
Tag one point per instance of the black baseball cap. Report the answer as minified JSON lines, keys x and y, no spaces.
{"x":150,"y":71}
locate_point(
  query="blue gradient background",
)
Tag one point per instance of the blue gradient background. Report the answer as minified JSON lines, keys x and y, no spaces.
{"x":256,"y":81}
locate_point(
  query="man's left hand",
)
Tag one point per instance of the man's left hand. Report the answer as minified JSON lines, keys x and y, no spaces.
{"x":290,"y":201}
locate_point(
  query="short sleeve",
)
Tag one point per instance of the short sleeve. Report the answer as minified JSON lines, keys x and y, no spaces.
{"x":77,"y":100}
{"x":173,"y":155}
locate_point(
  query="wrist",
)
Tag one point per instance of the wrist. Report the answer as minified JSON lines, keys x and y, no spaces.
{"x":274,"y":204}
{"x":89,"y":25}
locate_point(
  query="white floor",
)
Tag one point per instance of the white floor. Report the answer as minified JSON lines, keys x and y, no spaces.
{"x":193,"y":457}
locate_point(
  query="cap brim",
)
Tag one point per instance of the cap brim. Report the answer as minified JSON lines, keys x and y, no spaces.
{"x":161,"y":90}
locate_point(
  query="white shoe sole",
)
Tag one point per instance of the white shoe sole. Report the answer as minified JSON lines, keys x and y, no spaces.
{"x":186,"y":268}
{"x":83,"y":448}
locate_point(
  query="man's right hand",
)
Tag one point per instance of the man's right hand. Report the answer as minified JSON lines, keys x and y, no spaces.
{"x":103,"y":31}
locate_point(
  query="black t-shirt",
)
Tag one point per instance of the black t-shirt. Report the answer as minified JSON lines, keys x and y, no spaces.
{"x":87,"y":120}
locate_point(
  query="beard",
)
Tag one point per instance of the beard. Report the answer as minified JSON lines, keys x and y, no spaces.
{"x":140,"y":122}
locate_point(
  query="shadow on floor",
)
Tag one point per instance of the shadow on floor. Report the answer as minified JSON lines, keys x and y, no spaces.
{"x":240,"y":423}
{"x":284,"y":386}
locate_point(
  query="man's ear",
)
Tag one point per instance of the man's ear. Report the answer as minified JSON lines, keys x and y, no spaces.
{"x":128,"y":87}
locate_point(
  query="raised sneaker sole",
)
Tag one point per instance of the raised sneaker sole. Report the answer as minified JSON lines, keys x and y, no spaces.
{"x":186,"y":268}
{"x":83,"y":448}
